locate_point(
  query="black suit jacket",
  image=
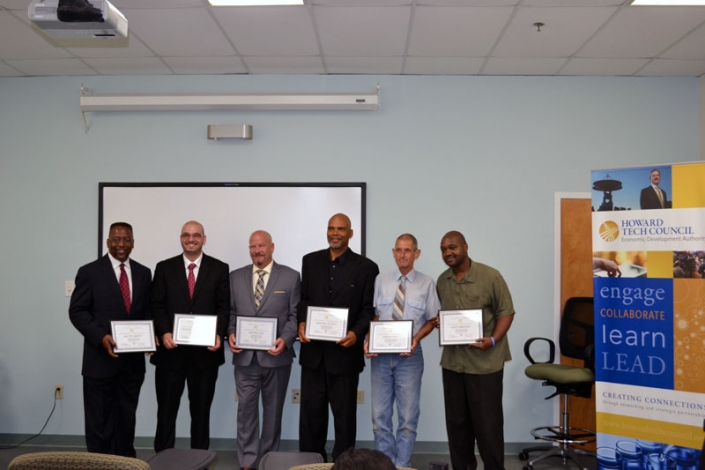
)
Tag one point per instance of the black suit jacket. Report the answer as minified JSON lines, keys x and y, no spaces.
{"x":95,"y":302}
{"x":354,"y":292}
{"x":649,"y":199}
{"x":170,"y":295}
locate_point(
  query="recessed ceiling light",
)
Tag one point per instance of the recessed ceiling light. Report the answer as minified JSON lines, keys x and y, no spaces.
{"x":672,"y":3}
{"x":240,"y":3}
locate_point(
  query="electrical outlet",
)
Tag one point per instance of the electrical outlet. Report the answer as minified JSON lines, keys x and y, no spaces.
{"x":237,"y":397}
{"x":59,"y":392}
{"x":360,"y":397}
{"x":295,"y":395}
{"x":69,"y":286}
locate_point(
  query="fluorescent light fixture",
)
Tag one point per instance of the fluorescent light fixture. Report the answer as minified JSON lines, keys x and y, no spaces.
{"x":253,"y":3}
{"x":271,"y":102}
{"x":668,"y":3}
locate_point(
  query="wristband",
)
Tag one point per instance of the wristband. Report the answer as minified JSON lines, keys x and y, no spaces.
{"x":493,"y":341}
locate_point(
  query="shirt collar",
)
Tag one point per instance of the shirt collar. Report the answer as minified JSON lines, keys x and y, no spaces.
{"x":197,"y":261}
{"x":267,"y":268}
{"x":342,"y":258}
{"x":410,"y":276}
{"x":116,"y":262}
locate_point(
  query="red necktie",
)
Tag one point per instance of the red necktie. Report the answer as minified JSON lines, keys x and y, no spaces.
{"x":125,"y":288}
{"x":191,"y":279}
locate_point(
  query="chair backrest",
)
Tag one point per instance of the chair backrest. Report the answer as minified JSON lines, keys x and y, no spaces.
{"x":312,"y":466}
{"x":75,"y":461}
{"x":286,"y":460}
{"x":577,"y":327}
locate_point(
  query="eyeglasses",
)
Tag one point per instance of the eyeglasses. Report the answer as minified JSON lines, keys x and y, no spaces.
{"x":125,"y":240}
{"x":196,"y":236}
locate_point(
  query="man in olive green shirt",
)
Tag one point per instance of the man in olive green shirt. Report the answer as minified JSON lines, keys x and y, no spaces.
{"x":472,"y":374}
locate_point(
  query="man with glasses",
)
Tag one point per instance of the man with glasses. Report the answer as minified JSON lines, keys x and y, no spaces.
{"x":197,"y":284}
{"x":113,"y":287}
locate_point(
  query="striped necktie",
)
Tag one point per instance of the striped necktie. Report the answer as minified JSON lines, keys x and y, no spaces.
{"x":259,"y":289}
{"x":398,"y":311}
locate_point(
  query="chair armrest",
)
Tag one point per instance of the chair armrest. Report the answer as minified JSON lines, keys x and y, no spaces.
{"x":589,"y":357}
{"x":551,"y":352}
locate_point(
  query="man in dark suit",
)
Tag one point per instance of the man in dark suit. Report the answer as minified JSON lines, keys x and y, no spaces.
{"x":653,"y":197}
{"x":113,"y":287}
{"x":191,"y":283}
{"x":335,"y":277}
{"x":262,"y":289}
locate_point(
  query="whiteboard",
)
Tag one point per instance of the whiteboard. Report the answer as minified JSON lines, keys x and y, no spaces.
{"x":296,"y":215}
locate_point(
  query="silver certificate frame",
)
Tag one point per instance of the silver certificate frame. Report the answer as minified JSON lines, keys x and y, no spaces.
{"x":326,"y":323}
{"x":195,"y":330}
{"x":256,"y":332}
{"x":460,"y":327}
{"x":390,"y":336}
{"x":133,"y":336}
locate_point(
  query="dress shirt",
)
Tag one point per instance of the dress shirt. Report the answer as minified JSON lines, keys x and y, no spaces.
{"x":484,"y":288}
{"x":116,"y":268}
{"x":265,"y":278}
{"x":420,"y":298}
{"x":197,"y":262}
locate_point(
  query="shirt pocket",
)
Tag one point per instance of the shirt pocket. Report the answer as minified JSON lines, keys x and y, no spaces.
{"x":414,"y":306}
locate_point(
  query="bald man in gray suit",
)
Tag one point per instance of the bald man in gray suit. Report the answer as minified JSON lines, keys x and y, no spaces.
{"x":262,"y":289}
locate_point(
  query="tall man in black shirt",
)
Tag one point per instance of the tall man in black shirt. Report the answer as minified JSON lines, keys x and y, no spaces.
{"x":339,"y":278}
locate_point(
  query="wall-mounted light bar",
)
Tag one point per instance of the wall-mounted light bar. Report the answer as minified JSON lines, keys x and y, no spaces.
{"x":263,"y":102}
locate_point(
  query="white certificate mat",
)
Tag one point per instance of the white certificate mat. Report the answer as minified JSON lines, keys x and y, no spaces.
{"x":195,"y":330}
{"x":133,"y":336}
{"x":326,"y":324}
{"x":256,"y":332}
{"x":460,"y":326}
{"x":392,"y":336}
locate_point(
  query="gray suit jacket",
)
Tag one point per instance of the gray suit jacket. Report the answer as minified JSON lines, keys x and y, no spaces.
{"x":281,"y":298}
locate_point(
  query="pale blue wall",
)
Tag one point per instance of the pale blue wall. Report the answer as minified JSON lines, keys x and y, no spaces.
{"x":483,"y":155}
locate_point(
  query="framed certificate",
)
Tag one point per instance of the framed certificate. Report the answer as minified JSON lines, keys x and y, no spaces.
{"x":326,"y":324}
{"x":195,"y":330}
{"x":256,"y":332}
{"x":133,"y":336}
{"x":460,"y":326}
{"x":391,"y":336}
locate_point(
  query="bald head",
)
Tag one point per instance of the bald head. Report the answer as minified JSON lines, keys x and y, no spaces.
{"x":339,"y":233}
{"x":261,"y":248}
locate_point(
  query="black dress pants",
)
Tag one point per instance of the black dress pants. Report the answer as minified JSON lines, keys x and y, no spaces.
{"x":110,"y":407}
{"x":473,"y":407}
{"x":169,"y":384}
{"x":318,"y":390}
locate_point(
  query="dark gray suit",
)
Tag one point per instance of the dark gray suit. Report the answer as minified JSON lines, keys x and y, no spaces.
{"x":258,"y":371}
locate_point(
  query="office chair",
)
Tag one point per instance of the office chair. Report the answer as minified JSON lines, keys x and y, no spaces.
{"x":286,"y":460}
{"x":576,"y":339}
{"x":182,"y":459}
{"x":75,"y":461}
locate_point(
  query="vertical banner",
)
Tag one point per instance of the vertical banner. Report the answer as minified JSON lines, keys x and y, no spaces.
{"x":648,"y":241}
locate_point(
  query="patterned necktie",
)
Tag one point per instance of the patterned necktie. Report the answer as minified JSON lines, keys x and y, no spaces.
{"x":259,"y":289}
{"x":398,"y":311}
{"x":191,"y":279}
{"x":125,"y":288}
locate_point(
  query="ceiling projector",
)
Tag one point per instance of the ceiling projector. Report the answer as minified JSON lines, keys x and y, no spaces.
{"x":78,"y":19}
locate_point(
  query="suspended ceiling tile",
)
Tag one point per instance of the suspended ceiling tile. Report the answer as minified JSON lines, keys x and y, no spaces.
{"x":134,"y":66}
{"x":112,"y":48}
{"x":269,"y":31}
{"x":443,"y":66}
{"x":563,"y":32}
{"x":364,"y":65}
{"x":643,"y":32}
{"x":692,"y":47}
{"x":18,"y":40}
{"x":456,"y":31}
{"x":510,"y":66}
{"x":8,"y":71}
{"x":362,"y":31}
{"x":284,"y":65}
{"x":52,"y":67}
{"x":603,"y":67}
{"x":180,"y":32}
{"x":672,"y":67}
{"x":205,"y":65}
